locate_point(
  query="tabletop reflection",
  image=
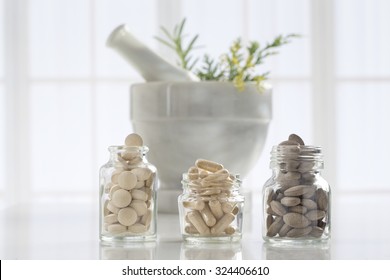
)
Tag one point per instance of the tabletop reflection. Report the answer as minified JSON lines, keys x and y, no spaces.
{"x":211,"y":251}
{"x":131,"y":251}
{"x":319,"y":251}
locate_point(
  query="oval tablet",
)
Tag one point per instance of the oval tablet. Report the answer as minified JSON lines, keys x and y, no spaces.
{"x":208,"y":165}
{"x":299,"y":190}
{"x":111,"y":218}
{"x":296,"y":220}
{"x":315,"y":215}
{"x":139,"y":194}
{"x":116,"y":228}
{"x":296,"y":138}
{"x":309,"y":204}
{"x":316,"y":232}
{"x":299,"y":232}
{"x":278,"y":208}
{"x":290,"y":201}
{"x":284,"y":230}
{"x":274,"y":228}
{"x":137,"y":228}
{"x":322,"y":199}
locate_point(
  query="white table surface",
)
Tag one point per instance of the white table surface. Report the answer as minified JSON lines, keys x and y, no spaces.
{"x":64,"y":230}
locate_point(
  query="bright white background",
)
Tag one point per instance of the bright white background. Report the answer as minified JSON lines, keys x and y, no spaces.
{"x":64,"y":99}
{"x":64,"y":95}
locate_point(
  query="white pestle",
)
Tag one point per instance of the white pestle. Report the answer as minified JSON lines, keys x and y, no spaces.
{"x":148,"y":64}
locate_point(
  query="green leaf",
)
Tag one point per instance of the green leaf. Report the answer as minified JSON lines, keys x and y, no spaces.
{"x":193,"y":64}
{"x":165,"y":42}
{"x":181,"y":27}
{"x":166,"y":32}
{"x":191,"y":44}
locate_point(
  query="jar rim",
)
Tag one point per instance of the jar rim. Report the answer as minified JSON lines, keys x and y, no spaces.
{"x":122,"y":148}
{"x":300,"y":152}
{"x":295,"y":154}
{"x":304,"y":147}
{"x":186,"y":182}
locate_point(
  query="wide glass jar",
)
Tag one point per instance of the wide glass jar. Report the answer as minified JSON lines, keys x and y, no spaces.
{"x":296,"y":198}
{"x":128,"y":185}
{"x":212,"y":212}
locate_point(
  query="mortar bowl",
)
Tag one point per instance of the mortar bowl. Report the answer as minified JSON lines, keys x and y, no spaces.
{"x":183,"y":121}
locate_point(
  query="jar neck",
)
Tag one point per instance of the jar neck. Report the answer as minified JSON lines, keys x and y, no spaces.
{"x":201,"y":187}
{"x":127,"y":154}
{"x":297,"y":158}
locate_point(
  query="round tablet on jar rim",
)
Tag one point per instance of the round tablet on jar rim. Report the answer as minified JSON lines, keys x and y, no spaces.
{"x":134,"y":139}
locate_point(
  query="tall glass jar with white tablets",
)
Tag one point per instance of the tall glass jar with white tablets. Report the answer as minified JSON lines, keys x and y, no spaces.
{"x":212,"y":212}
{"x":128,"y":186}
{"x":296,"y":198}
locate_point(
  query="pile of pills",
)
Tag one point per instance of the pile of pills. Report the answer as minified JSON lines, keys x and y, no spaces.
{"x":298,"y":207}
{"x":211,"y":209}
{"x":129,"y":199}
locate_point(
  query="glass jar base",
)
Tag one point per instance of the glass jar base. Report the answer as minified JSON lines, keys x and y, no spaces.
{"x":127,"y":239}
{"x":211,"y":239}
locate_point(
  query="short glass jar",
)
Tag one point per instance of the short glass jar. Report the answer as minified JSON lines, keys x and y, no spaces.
{"x":211,"y":214}
{"x":128,"y":186}
{"x":296,"y":198}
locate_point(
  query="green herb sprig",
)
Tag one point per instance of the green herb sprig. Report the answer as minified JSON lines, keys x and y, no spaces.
{"x":239,"y":65}
{"x":175,"y":41}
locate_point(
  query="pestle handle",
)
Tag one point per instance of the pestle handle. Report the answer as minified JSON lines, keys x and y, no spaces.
{"x":148,"y":64}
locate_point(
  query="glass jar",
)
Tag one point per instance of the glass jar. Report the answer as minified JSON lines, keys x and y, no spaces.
{"x":296,"y":198}
{"x":128,"y":185}
{"x":211,"y":214}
